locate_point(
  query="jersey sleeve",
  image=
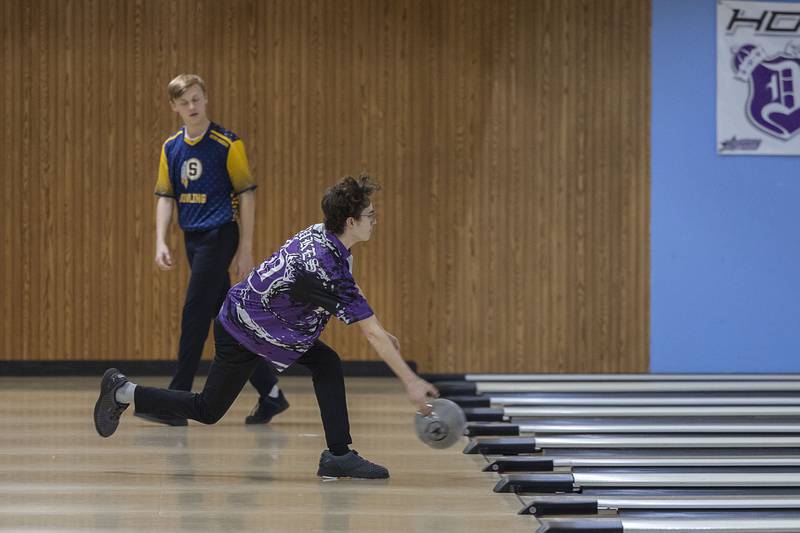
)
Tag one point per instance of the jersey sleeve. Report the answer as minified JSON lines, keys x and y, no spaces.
{"x":334,"y":290}
{"x":239,"y":169}
{"x":351,"y":305}
{"x":163,"y":184}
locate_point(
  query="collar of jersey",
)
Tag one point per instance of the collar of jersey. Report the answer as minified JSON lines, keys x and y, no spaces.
{"x":198,"y":139}
{"x":339,"y":245}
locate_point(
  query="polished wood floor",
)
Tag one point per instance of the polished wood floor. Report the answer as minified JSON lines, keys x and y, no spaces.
{"x":57,"y":474}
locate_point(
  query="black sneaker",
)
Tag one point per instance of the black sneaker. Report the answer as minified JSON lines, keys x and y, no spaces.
{"x":162,"y":419}
{"x":349,"y":465}
{"x":266,"y":408}
{"x":107,"y":409}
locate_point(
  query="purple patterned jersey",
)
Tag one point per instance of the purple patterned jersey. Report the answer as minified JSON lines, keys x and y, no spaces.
{"x":282,"y":306}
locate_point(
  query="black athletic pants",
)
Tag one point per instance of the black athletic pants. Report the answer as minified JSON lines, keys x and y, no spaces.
{"x":232,"y":365}
{"x":210,"y":254}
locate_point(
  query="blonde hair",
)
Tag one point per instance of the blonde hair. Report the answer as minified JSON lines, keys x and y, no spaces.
{"x":181,"y":84}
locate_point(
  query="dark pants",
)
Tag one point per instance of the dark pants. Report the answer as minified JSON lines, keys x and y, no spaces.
{"x":210,"y":254}
{"x":232,"y":365}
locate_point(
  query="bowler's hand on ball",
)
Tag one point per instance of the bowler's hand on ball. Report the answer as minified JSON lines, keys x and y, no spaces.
{"x":419,"y":391}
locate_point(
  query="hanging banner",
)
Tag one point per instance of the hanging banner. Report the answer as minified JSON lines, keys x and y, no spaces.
{"x":758,"y":78}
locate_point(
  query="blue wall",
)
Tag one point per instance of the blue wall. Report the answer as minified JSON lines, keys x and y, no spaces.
{"x":725,"y":278}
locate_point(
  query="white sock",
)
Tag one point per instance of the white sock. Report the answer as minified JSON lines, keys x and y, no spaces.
{"x":124,"y":394}
{"x":274,"y":392}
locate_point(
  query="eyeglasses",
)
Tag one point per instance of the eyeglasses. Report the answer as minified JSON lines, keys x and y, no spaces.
{"x":372,"y":215}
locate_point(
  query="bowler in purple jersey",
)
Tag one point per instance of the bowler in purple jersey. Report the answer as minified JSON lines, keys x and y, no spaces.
{"x":277,"y":313}
{"x":281,"y":308}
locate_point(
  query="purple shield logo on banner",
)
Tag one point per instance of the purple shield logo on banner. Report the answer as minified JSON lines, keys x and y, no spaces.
{"x":773,"y":102}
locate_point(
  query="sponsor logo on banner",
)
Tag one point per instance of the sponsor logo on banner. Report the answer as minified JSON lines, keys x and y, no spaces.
{"x":758,"y":78}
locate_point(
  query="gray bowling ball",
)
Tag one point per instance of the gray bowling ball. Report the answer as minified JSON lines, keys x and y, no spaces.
{"x":443,"y":427}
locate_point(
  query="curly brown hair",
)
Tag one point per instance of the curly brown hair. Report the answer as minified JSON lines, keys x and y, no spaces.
{"x":348,"y":198}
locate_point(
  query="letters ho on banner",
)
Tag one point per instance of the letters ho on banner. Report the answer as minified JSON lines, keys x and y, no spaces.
{"x":758,"y":78}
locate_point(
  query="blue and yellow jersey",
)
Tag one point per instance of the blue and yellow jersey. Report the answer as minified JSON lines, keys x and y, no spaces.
{"x":204,"y":176}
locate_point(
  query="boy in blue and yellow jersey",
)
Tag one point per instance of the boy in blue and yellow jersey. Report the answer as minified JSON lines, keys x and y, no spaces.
{"x":204,"y":170}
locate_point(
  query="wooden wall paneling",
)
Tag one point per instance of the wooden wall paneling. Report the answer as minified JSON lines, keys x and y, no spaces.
{"x":11,"y":200}
{"x":511,"y":139}
{"x":29,"y":40}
